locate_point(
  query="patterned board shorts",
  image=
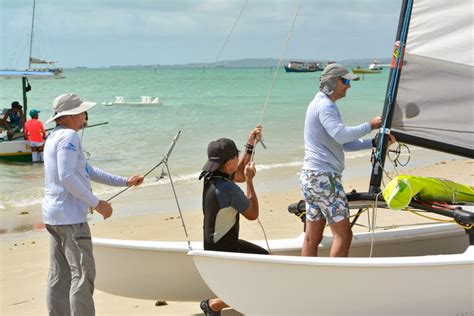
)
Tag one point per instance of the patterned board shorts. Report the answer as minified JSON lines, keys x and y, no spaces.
{"x":324,"y":196}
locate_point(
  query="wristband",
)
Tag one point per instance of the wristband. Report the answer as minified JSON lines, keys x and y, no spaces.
{"x":249,"y":148}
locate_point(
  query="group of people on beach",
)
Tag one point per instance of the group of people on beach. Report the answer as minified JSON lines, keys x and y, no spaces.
{"x":68,"y":197}
{"x":14,"y":122}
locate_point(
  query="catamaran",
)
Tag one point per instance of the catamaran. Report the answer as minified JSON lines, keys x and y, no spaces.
{"x":431,"y":73}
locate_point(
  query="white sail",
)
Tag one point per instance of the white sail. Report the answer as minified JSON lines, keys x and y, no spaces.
{"x":435,"y":94}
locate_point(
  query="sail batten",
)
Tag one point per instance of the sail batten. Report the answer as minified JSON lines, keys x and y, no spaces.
{"x":434,"y":107}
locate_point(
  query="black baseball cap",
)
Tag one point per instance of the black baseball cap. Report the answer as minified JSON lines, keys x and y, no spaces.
{"x":218,"y":152}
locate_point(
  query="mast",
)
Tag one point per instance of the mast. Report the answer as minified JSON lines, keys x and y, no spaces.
{"x":390,"y":97}
{"x":31,"y":34}
{"x":24,"y":85}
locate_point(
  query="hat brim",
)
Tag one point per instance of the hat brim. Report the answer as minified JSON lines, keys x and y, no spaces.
{"x":211,"y":166}
{"x":81,"y":108}
{"x":350,"y":76}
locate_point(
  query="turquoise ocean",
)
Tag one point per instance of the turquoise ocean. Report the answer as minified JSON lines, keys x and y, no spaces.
{"x":205,"y":103}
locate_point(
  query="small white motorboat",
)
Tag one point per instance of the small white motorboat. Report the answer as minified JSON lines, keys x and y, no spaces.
{"x":146,"y":100}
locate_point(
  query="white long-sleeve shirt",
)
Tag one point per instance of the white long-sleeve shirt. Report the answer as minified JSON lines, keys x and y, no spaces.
{"x":326,"y":137}
{"x":67,"y":191}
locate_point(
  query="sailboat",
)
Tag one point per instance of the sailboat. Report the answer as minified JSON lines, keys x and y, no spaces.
{"x":411,"y":268}
{"x":434,"y":55}
{"x":46,"y":68}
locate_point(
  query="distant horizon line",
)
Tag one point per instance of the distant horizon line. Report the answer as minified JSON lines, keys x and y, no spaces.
{"x":238,"y":63}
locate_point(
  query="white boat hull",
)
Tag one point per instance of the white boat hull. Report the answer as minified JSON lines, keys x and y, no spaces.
{"x":163,"y":270}
{"x":145,"y":101}
{"x":15,"y":150}
{"x":158,"y":269}
{"x":396,"y":285}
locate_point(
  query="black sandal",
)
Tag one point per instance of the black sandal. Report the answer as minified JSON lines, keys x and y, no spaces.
{"x":207,"y":309}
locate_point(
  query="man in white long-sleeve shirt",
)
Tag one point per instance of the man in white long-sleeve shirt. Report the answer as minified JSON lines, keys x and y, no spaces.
{"x":66,"y":203}
{"x":326,"y":138}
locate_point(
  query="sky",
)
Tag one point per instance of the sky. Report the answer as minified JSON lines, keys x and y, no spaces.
{"x":101,"y":33}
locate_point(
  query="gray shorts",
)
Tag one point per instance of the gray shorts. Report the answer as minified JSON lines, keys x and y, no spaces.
{"x":324,"y":196}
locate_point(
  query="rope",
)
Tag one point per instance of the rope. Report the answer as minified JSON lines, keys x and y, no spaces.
{"x":165,"y":159}
{"x":269,"y":95}
{"x":283,"y":52}
{"x":373,"y":225}
{"x":440,"y":220}
{"x":265,"y":236}
{"x":144,"y":176}
{"x":179,"y":208}
{"x":218,"y":57}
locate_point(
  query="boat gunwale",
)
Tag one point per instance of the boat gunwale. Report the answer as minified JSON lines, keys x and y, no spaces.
{"x":465,"y":258}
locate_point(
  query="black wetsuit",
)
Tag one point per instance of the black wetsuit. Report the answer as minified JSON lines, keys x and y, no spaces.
{"x":222,"y":203}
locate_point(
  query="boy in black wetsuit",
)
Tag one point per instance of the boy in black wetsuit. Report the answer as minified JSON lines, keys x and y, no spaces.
{"x":224,"y":201}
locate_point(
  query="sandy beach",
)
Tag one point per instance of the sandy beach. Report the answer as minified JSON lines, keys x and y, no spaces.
{"x":24,"y":255}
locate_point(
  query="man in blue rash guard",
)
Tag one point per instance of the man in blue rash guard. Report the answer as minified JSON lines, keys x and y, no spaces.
{"x":67,"y":199}
{"x":224,"y":202}
{"x":326,"y":138}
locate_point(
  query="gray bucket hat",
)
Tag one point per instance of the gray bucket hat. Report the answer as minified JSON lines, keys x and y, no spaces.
{"x":69,"y":104}
{"x":331,"y":73}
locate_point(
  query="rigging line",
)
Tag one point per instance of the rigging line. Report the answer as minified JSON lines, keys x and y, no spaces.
{"x":290,"y":32}
{"x":269,"y":94}
{"x":163,"y":160}
{"x":179,"y":208}
{"x":206,"y":78}
{"x":275,"y":75}
{"x":414,"y":211}
{"x":10,"y":61}
{"x":128,"y":187}
{"x":265,"y":236}
{"x":198,"y":94}
{"x":372,"y":226}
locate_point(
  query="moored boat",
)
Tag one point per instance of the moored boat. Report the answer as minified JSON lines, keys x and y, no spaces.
{"x":17,"y":149}
{"x":145,"y":100}
{"x":375,"y":65}
{"x":300,"y":66}
{"x":359,"y":71}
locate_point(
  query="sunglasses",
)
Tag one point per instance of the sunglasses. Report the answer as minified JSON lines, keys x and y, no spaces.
{"x":346,"y":82}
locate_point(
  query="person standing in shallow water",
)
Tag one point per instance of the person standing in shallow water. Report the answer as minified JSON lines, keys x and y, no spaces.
{"x":66,"y":203}
{"x":326,"y":138}
{"x":35,"y":133}
{"x":224,"y":202}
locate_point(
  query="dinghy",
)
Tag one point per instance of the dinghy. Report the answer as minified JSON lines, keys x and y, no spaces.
{"x":434,"y":45}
